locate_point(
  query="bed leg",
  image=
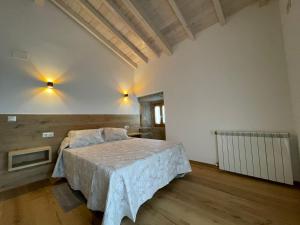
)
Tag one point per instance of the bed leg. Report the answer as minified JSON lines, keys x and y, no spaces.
{"x":97,"y":217}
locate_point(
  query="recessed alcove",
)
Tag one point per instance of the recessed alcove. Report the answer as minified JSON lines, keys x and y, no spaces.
{"x":21,"y":159}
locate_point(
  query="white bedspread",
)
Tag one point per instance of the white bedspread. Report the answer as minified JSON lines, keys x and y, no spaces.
{"x":118,"y":177}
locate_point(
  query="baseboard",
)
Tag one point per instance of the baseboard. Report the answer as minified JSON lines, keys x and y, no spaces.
{"x":203,"y":164}
{"x":193,"y":162}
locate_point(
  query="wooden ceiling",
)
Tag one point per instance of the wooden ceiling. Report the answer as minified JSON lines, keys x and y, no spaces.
{"x":140,"y":30}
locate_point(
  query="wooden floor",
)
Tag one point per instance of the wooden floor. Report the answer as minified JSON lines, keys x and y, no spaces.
{"x":204,"y":197}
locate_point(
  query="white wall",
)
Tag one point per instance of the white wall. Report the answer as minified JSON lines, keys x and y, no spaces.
{"x":291,"y":34}
{"x":232,"y":77}
{"x":88,"y":77}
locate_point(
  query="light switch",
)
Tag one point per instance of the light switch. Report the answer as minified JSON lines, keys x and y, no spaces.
{"x":48,"y":134}
{"x":11,"y":119}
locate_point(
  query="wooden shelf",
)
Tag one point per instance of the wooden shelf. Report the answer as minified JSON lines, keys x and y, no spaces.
{"x":135,"y":134}
{"x":21,"y":159}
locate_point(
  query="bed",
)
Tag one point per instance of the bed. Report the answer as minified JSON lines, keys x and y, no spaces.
{"x":117,"y":177}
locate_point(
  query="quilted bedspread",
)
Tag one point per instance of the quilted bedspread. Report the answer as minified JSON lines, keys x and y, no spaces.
{"x":118,"y":177}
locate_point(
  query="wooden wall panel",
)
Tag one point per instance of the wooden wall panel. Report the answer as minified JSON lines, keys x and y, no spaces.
{"x":27,"y":133}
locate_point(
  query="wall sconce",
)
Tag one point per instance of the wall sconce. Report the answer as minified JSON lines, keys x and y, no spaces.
{"x":125,"y":96}
{"x":50,"y":84}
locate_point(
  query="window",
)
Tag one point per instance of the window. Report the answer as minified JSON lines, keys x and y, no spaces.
{"x":159,"y":114}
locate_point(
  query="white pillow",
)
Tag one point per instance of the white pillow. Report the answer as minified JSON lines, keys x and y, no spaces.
{"x":115,"y":134}
{"x":81,"y":138}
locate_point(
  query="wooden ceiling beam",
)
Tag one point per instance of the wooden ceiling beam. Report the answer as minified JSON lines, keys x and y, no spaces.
{"x":181,"y":19}
{"x":96,"y":14}
{"x":117,"y":11}
{"x":219,"y":11}
{"x":67,"y":10}
{"x":150,"y":27}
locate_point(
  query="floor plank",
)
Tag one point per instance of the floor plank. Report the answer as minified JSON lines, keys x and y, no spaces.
{"x":207,"y":196}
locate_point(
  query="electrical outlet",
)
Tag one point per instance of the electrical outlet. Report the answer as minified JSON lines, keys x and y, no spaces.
{"x":48,"y":134}
{"x":11,"y":119}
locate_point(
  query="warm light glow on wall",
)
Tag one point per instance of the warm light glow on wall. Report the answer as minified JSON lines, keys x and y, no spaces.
{"x":126,"y":95}
{"x":140,"y":85}
{"x":49,"y":88}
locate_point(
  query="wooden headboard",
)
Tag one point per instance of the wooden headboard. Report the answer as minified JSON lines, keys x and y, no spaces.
{"x":27,"y":131}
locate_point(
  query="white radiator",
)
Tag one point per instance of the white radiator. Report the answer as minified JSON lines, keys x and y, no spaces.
{"x":259,"y":154}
